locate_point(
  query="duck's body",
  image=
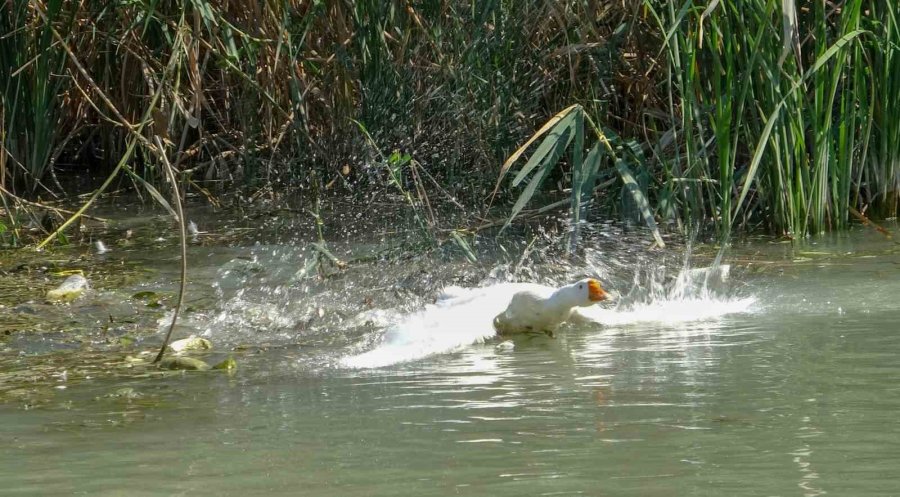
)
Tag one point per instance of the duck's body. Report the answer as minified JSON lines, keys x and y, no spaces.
{"x":543,"y":309}
{"x":528,"y":311}
{"x":462,"y":316}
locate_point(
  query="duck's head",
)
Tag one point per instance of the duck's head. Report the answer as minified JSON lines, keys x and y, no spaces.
{"x":585,"y":292}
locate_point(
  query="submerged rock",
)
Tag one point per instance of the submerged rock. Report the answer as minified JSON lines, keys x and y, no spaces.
{"x":69,"y":290}
{"x":718,"y":272}
{"x":189,"y":344}
{"x":183,"y":363}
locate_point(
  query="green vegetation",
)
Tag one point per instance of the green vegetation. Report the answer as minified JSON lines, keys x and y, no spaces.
{"x":781,"y":105}
{"x":756,"y":114}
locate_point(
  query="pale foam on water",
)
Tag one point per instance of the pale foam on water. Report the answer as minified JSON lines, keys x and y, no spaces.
{"x":459,"y":318}
{"x":699,"y":294}
{"x":462,"y":317}
{"x":669,"y":312}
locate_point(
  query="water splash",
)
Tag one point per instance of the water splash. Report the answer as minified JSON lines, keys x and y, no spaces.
{"x":361,"y":317}
{"x":458,"y":318}
{"x":698,"y":294}
{"x":461,"y":317}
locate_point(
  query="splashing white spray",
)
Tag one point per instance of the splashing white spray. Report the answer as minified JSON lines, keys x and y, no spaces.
{"x":461,"y":317}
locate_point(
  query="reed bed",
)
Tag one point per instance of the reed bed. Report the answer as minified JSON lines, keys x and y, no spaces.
{"x":760,"y":114}
{"x":780,"y":110}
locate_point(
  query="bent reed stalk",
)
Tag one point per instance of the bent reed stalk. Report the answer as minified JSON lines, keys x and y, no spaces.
{"x":182,"y":232}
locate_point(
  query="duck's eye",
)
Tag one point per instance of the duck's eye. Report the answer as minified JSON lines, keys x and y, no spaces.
{"x":580,"y":287}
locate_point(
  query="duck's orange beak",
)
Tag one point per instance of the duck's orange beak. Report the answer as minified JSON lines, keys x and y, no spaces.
{"x":595,"y":291}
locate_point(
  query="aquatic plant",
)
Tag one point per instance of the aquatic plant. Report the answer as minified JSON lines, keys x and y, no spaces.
{"x":724,"y":114}
{"x":777,"y":105}
{"x":567,"y":125}
{"x":773,"y":112}
{"x":30,"y":93}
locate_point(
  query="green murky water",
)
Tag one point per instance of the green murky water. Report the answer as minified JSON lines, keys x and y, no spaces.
{"x":797,"y":394}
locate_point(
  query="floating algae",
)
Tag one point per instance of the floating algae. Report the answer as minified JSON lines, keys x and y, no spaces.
{"x":228,"y":365}
{"x":183,"y":363}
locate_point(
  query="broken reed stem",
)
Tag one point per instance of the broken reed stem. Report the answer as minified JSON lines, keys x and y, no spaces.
{"x":868,"y":222}
{"x":37,"y":205}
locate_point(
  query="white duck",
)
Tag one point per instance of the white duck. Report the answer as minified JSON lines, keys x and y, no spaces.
{"x":462,"y":316}
{"x":543,"y":309}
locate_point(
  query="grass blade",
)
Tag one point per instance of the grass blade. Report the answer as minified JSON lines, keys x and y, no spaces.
{"x":546,"y":146}
{"x":539,"y":176}
{"x":515,"y":155}
{"x":640,"y":199}
{"x":464,"y":245}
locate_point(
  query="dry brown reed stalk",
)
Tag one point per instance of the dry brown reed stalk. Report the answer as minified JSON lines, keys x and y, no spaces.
{"x":868,"y":222}
{"x":135,"y":133}
{"x":43,"y":206}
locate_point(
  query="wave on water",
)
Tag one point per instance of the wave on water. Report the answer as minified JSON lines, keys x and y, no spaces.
{"x":463,"y":316}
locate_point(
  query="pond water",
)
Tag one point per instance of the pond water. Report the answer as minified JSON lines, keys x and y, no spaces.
{"x":780,"y":379}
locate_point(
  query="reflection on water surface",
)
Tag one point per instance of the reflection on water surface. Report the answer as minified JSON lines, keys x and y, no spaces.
{"x":795,"y":394}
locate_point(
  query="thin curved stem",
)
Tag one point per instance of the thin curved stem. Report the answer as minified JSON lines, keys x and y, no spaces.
{"x":170,"y":173}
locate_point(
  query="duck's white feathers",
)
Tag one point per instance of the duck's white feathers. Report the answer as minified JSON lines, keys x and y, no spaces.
{"x":517,"y":307}
{"x":458,"y":317}
{"x":528,"y":312}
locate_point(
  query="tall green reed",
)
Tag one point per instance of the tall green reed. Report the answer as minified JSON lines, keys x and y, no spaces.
{"x":778,"y":111}
{"x":762,"y":113}
{"x":31,"y":80}
{"x":566,"y":130}
{"x":881,"y":174}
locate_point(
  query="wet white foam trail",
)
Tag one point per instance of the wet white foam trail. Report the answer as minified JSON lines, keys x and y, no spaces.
{"x":669,"y":312}
{"x":462,"y":317}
